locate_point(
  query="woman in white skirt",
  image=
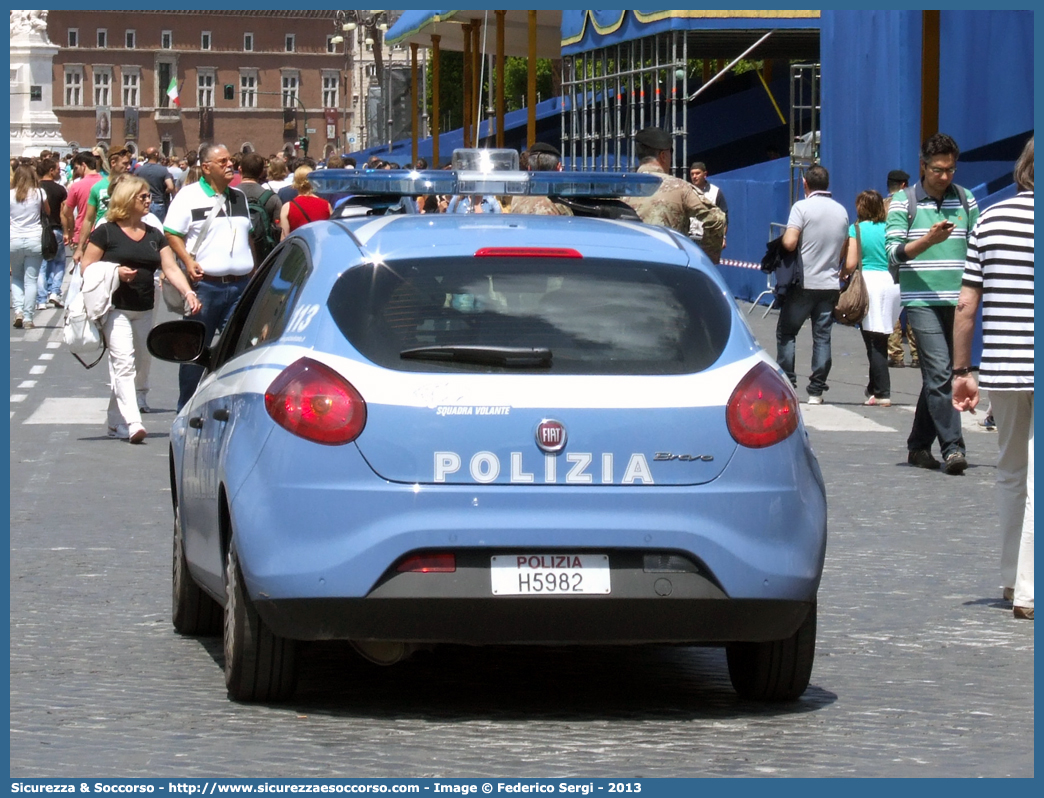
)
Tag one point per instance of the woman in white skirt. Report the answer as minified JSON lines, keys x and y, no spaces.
{"x":869,"y":248}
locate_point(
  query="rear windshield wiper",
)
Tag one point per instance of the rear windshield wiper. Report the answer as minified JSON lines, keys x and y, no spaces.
{"x":519,"y":357}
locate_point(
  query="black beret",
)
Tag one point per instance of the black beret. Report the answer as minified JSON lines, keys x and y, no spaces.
{"x":655,"y":138}
{"x":541,"y":146}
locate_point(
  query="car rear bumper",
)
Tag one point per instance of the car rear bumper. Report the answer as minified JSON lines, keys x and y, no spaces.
{"x":588,"y":620}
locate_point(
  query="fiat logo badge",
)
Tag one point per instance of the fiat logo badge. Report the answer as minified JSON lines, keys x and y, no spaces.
{"x":551,"y":436}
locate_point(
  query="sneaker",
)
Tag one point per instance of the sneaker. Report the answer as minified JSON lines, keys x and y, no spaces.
{"x":1023,"y":613}
{"x":988,"y":423}
{"x":137,"y":433}
{"x":915,"y":363}
{"x":955,"y":463}
{"x":118,"y":432}
{"x":27,"y":325}
{"x":896,"y":364}
{"x":1008,"y":594}
{"x":55,"y":301}
{"x":922,"y":458}
{"x":19,"y":321}
{"x":815,"y":400}
{"x":144,"y":408}
{"x":873,"y":401}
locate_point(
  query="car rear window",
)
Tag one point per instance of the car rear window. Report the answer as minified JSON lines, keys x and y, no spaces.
{"x":595,"y":316}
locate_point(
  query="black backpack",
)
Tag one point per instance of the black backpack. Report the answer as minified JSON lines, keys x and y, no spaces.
{"x":261,"y":232}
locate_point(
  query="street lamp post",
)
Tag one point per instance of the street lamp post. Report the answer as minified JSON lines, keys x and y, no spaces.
{"x":369,"y":26}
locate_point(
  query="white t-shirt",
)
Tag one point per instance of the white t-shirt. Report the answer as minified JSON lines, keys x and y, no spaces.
{"x":25,"y":216}
{"x":225,"y":250}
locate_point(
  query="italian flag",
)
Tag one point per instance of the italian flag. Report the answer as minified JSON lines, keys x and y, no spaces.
{"x":172,"y":92}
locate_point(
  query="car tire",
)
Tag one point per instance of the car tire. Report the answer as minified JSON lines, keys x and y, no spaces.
{"x":259,"y":665}
{"x":778,"y":670}
{"x":193,"y":611}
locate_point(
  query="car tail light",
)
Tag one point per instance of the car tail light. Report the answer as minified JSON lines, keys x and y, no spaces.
{"x":429,"y":564}
{"x":527,"y":252}
{"x":314,"y":402}
{"x":763,"y":409}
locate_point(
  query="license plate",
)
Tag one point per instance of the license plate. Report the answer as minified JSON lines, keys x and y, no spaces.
{"x":549,"y":574}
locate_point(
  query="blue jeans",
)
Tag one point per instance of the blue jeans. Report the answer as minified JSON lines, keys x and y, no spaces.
{"x":935,"y":417}
{"x":25,"y":266}
{"x":219,"y":300}
{"x":799,"y":305}
{"x":52,"y":272}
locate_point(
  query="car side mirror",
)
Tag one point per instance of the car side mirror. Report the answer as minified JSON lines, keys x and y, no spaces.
{"x":180,"y":341}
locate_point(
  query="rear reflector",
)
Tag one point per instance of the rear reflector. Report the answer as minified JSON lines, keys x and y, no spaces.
{"x":527,"y":252}
{"x":763,"y":409}
{"x":428,"y":564}
{"x":314,"y":402}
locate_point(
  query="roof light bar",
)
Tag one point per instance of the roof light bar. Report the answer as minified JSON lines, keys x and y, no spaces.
{"x":341,"y":182}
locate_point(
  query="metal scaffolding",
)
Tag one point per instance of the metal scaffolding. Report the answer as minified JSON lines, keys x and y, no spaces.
{"x":804,"y":123}
{"x":616,"y":91}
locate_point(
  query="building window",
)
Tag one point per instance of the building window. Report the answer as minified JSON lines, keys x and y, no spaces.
{"x":166,"y":40}
{"x":74,"y":85}
{"x":331,"y":82}
{"x":371,"y":70}
{"x":164,"y":71}
{"x":248,"y":88}
{"x":103,"y":37}
{"x":248,"y":42}
{"x":130,"y":39}
{"x":330,"y":46}
{"x":204,"y":40}
{"x":289,"y":42}
{"x":131,"y":81}
{"x":205,"y":79}
{"x":74,"y":37}
{"x":103,"y":86}
{"x":291,"y":82}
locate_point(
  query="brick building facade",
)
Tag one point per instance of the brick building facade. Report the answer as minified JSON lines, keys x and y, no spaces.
{"x":286,"y":76}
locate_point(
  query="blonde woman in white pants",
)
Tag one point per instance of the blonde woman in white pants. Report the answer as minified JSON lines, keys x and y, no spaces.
{"x":139,"y":250}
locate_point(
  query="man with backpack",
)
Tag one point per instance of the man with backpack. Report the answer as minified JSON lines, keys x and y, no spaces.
{"x":264,"y":205}
{"x":926,"y":237}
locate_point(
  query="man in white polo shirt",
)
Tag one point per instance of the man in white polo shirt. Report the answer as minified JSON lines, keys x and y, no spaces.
{"x":208,"y":227}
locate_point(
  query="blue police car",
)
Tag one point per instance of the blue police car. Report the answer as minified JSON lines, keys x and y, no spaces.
{"x":420,"y":429}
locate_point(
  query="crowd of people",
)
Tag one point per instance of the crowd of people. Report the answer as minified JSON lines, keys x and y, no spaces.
{"x":927,"y":259}
{"x":926,"y":253}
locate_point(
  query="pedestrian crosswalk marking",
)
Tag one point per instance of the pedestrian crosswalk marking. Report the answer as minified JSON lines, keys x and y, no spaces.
{"x":831,"y":418}
{"x":76,"y":410}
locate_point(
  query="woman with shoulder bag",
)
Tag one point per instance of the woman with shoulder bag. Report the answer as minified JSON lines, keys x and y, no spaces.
{"x":139,"y":250}
{"x":29,"y":211}
{"x":868,"y":248}
{"x":306,"y":207}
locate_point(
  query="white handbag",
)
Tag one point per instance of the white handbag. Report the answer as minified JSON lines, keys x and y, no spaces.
{"x":83,"y":335}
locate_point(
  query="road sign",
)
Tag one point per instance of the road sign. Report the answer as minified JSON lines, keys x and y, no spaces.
{"x":309,"y":130}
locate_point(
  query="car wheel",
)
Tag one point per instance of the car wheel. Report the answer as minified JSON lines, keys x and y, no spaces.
{"x":193,"y":611}
{"x":778,"y":670}
{"x":259,"y":665}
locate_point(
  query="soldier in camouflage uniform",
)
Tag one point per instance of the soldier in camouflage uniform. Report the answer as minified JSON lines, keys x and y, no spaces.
{"x":675,"y":201}
{"x":541,"y":158}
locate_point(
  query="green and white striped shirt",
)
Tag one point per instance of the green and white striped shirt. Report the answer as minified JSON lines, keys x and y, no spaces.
{"x":933,"y":278}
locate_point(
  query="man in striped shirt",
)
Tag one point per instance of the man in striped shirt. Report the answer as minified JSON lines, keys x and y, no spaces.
{"x":929,"y":249}
{"x":999,"y":274}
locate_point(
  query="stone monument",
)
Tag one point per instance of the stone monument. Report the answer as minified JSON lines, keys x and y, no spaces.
{"x":34,"y":127}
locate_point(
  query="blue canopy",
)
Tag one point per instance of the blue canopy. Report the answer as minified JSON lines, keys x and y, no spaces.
{"x":418,"y":26}
{"x":589,"y":30}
